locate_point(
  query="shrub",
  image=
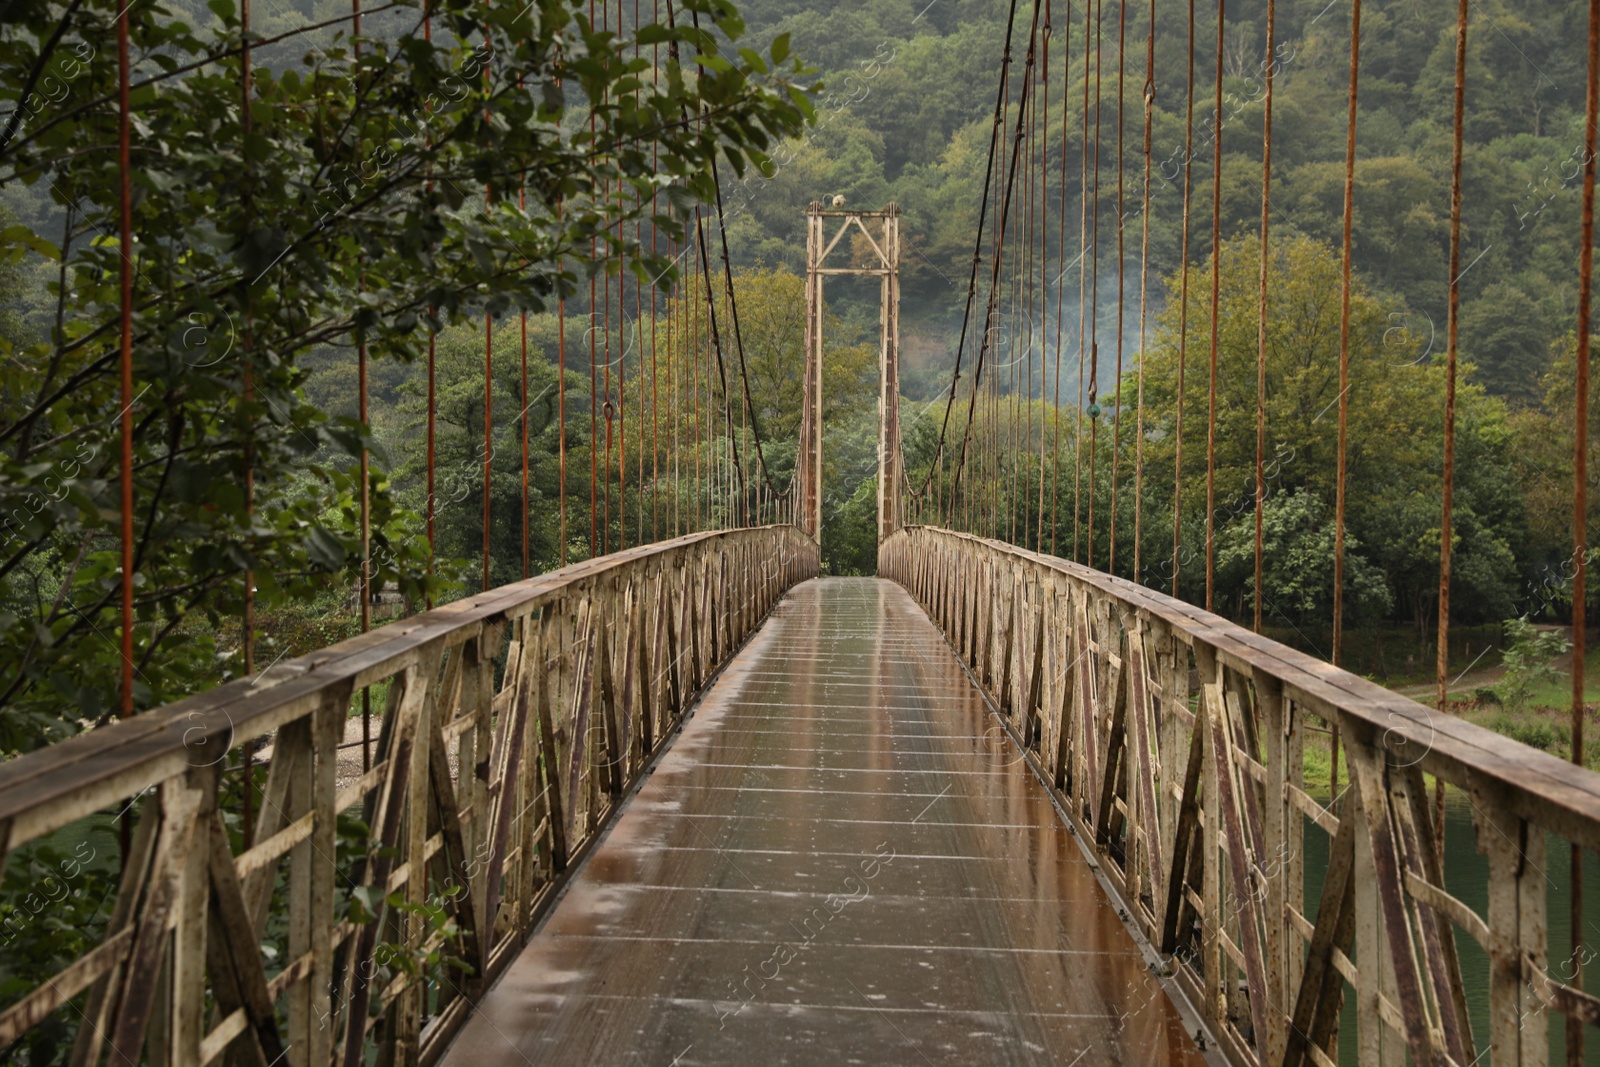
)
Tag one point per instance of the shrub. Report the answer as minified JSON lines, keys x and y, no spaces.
{"x":1529,"y":660}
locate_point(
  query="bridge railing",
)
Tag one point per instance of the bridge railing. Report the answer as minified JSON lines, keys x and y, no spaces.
{"x":371,"y":912}
{"x":1178,"y":742}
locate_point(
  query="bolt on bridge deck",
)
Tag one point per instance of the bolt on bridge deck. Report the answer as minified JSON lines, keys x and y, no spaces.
{"x":844,"y":859}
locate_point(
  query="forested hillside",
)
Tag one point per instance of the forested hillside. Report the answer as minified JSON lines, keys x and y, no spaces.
{"x":906,"y":114}
{"x":906,"y":118}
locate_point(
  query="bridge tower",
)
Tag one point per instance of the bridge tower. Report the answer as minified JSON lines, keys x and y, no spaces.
{"x":883,"y":257}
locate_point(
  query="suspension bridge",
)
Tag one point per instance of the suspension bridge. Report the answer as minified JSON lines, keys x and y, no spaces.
{"x":690,"y":800}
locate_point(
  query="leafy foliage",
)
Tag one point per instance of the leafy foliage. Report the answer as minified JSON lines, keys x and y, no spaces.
{"x":1529,"y":659}
{"x":345,"y":206}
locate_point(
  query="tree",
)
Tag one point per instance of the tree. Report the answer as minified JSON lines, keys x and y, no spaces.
{"x":1297,"y":563}
{"x":1395,"y":435}
{"x":1541,"y":461}
{"x":345,"y":208}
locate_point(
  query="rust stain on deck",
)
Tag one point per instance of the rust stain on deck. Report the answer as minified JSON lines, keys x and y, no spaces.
{"x":842,"y":859}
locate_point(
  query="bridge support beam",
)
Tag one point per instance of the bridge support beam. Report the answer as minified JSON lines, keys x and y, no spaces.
{"x":881,"y":256}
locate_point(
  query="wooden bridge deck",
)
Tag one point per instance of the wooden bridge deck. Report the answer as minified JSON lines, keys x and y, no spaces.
{"x":842,"y":859}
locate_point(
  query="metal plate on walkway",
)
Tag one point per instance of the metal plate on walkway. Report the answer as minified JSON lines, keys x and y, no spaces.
{"x":842,"y":859}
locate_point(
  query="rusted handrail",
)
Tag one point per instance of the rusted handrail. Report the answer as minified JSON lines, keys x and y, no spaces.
{"x":516,"y":720}
{"x":1177,"y":740}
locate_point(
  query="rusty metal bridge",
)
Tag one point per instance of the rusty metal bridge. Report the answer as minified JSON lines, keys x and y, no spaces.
{"x":711,"y":806}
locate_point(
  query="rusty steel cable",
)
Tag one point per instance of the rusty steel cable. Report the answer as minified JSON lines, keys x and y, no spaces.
{"x":1019,"y":330}
{"x":1038,"y":174}
{"x":1183,"y":316}
{"x":247,"y":347}
{"x":561,"y":411}
{"x":1344,"y":337}
{"x":608,"y":409}
{"x":433,"y":398}
{"x":692,"y":312}
{"x":1448,"y":474}
{"x":741,"y":514}
{"x":738,"y":341}
{"x":638,"y":402}
{"x":1025,"y":401}
{"x":1022,"y":314}
{"x":648,"y":394}
{"x":1261,"y":312}
{"x":125,"y":367}
{"x":1216,"y":301}
{"x":722,"y":374}
{"x":594,"y":379}
{"x":608,"y":412}
{"x":1580,"y":499}
{"x":1061,"y":283}
{"x":1094,"y":281}
{"x":247,"y":351}
{"x":527,"y":503}
{"x":488,"y":374}
{"x":655,"y":232}
{"x":1116,"y":414}
{"x":125,"y":358}
{"x":1452,"y":330}
{"x":488,"y":438}
{"x":1022,"y":333}
{"x":1083,"y":252}
{"x":1144,"y":292}
{"x":621,"y":365}
{"x":638,"y":323}
{"x":992,"y":330}
{"x":689,"y":338}
{"x":432,"y":431}
{"x":972,"y":283}
{"x":1342,"y":474}
{"x":1044,"y":263}
{"x":988,"y":454}
{"x":674,"y":406}
{"x":594,"y":416}
{"x":999,"y":231}
{"x":364,"y":586}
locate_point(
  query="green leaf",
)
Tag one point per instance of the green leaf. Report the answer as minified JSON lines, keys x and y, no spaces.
{"x":325,"y":550}
{"x":24,"y":236}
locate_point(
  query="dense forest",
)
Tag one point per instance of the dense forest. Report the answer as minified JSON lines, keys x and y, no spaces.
{"x":902,"y":113}
{"x":906,"y":118}
{"x":525,"y":233}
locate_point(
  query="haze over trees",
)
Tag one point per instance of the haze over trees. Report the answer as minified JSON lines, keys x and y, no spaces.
{"x":906,"y":117}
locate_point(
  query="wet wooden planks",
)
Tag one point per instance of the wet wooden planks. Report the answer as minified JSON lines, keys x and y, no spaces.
{"x":842,"y":859}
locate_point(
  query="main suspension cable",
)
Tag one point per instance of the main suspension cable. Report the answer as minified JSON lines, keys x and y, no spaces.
{"x":972,"y":283}
{"x":1005,"y":208}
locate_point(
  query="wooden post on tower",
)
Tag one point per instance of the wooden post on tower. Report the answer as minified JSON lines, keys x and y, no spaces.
{"x":889,"y":380}
{"x":811,"y":419}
